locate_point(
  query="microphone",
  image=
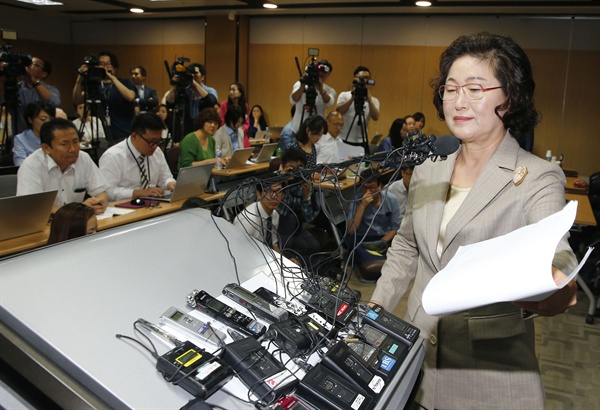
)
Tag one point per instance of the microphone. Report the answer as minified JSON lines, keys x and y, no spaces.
{"x":415,"y":152}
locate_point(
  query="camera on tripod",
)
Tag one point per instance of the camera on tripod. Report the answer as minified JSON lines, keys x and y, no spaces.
{"x":360,"y":92}
{"x":14,"y":63}
{"x":182,"y":76}
{"x":311,"y":72}
{"x":93,"y":74}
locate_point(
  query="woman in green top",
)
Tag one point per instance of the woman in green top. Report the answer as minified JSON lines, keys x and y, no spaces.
{"x":198,"y":147}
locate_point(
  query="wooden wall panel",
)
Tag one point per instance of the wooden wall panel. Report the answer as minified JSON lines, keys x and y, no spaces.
{"x":220,"y":54}
{"x":580,"y":140}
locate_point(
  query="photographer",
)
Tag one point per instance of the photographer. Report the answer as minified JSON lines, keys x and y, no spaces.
{"x":347,"y":107}
{"x":116,"y":95}
{"x":314,"y":80}
{"x":190,"y":86}
{"x":33,"y":88}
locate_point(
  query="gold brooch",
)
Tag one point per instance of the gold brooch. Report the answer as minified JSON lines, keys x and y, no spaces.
{"x":519,"y":174}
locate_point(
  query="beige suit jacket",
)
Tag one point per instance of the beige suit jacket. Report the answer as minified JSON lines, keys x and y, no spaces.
{"x":482,"y":358}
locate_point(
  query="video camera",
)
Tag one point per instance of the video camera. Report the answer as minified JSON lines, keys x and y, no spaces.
{"x":311,"y":72}
{"x":93,"y":72}
{"x":14,"y":63}
{"x":360,"y":92}
{"x":181,"y":75}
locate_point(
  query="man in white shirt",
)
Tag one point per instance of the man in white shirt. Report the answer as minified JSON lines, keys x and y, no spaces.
{"x":346,"y":105}
{"x":59,"y":165}
{"x":330,"y":148}
{"x":135,"y":167}
{"x":261,"y":219}
{"x":325,"y":95}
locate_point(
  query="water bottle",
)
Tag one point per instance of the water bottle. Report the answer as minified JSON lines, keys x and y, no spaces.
{"x":218,"y":155}
{"x":548,"y":155}
{"x":267,"y":138}
{"x":279,"y":151}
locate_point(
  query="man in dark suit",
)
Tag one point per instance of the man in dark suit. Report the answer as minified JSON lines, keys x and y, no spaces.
{"x":146,"y":98}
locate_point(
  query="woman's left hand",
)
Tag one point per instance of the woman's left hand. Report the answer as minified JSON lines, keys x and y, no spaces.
{"x":558,"y":302}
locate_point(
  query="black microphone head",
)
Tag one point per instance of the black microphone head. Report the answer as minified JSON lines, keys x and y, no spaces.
{"x":445,"y":145}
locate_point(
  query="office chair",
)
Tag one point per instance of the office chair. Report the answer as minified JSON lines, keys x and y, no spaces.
{"x":172,"y":157}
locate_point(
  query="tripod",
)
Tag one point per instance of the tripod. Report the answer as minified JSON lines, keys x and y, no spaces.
{"x":309,"y":103}
{"x":8,"y":110}
{"x":359,"y":119}
{"x":93,"y":110}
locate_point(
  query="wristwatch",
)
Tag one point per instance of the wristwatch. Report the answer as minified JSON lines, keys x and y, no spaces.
{"x":36,"y":84}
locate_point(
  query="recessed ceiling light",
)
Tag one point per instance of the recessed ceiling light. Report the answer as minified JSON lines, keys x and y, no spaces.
{"x":136,"y":10}
{"x":423,"y":3}
{"x":270,"y":6}
{"x":42,"y":2}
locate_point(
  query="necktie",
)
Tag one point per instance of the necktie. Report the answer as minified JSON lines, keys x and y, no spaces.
{"x":141,"y":92}
{"x":268,"y":233}
{"x":143,"y":173}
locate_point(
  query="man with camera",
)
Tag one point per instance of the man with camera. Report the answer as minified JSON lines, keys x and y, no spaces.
{"x":33,"y":88}
{"x":146,"y":98}
{"x":97,"y":81}
{"x":188,"y":89}
{"x":310,"y":94}
{"x":357,"y":106}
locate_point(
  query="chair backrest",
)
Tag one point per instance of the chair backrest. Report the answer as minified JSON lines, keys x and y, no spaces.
{"x":8,"y":185}
{"x":594,"y":184}
{"x":172,"y":156}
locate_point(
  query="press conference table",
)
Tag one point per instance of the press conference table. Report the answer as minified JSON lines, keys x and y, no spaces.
{"x":39,"y":239}
{"x":244,"y":169}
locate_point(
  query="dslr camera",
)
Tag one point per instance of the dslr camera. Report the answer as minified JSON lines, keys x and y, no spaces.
{"x":14,"y":63}
{"x":93,"y":72}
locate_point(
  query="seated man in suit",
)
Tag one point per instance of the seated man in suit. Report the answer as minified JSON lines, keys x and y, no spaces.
{"x":261,"y":219}
{"x":59,"y":165}
{"x":374,"y":220}
{"x":135,"y":167}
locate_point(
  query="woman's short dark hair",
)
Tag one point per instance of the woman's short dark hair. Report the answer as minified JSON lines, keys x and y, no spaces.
{"x":233,"y":114}
{"x":70,"y":221}
{"x":419,"y":116}
{"x":314,"y":124}
{"x":209,"y":114}
{"x":34,"y":109}
{"x":511,"y":67}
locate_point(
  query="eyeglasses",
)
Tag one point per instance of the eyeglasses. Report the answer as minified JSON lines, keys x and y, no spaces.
{"x":449,"y":92}
{"x":41,"y":67}
{"x":151,"y":144}
{"x":337,"y":124}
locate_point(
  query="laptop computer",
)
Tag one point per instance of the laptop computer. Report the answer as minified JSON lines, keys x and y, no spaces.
{"x":266,"y":152}
{"x":191,"y":181}
{"x":25,"y":214}
{"x":239,"y":158}
{"x":260,"y":135}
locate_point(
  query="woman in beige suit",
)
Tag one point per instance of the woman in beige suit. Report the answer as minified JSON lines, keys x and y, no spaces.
{"x":483,"y":358}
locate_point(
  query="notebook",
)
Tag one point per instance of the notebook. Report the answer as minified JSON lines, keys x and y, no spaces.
{"x":239,"y":158}
{"x":25,"y":214}
{"x":265,"y":154}
{"x":191,"y":181}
